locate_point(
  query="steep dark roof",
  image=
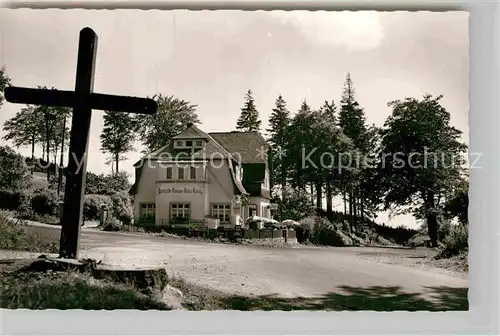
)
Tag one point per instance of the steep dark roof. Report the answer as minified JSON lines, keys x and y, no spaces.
{"x":249,"y":145}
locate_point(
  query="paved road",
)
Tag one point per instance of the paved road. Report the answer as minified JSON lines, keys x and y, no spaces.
{"x":291,"y":272}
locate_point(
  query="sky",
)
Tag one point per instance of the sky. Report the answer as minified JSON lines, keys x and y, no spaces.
{"x":211,"y":58}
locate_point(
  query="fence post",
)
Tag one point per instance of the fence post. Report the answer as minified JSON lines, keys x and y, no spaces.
{"x":103,"y":214}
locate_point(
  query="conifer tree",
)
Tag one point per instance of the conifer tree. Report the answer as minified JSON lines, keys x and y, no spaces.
{"x":279,"y":122}
{"x":296,"y":139}
{"x":249,"y":118}
{"x":328,"y":113}
{"x":352,"y":122}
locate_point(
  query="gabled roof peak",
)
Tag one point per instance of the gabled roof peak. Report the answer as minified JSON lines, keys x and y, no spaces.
{"x":192,"y":132}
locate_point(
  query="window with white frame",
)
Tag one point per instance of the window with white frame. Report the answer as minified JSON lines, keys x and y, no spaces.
{"x":147,"y":209}
{"x":180,"y":211}
{"x":222,"y":212}
{"x":179,"y":144}
{"x":199,"y":143}
{"x":169,"y":173}
{"x":180,"y":173}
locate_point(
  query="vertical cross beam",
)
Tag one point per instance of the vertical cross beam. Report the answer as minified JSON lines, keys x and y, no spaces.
{"x":78,"y":146}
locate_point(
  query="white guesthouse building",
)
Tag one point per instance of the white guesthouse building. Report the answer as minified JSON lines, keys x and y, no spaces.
{"x":201,"y":175}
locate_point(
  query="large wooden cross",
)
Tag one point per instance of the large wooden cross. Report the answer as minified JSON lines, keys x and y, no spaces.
{"x":82,"y":100}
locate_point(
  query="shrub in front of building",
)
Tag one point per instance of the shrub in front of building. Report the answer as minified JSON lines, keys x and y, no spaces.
{"x":92,"y":206}
{"x":326,"y":233}
{"x":112,"y":224}
{"x":121,"y":207}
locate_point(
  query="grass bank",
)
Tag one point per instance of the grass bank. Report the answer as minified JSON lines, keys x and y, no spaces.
{"x":14,"y":235}
{"x":23,"y":287}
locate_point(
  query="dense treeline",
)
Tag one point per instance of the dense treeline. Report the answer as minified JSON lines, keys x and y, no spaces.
{"x":412,"y":163}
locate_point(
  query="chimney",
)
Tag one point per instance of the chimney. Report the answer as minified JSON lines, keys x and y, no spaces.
{"x":189,"y":124}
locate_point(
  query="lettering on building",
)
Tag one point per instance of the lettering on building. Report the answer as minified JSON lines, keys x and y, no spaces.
{"x":184,"y":190}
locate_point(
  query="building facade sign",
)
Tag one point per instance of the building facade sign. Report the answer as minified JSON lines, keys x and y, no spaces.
{"x":185,"y":190}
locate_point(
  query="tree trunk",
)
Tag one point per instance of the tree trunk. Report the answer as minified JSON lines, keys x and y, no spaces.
{"x":354,"y":200}
{"x":431,"y":217}
{"x":362,"y":208}
{"x":359,"y":200}
{"x":283,"y":176}
{"x":32,"y":152}
{"x":311,"y":188}
{"x":319,"y":196}
{"x":48,"y":156}
{"x":345,"y":202}
{"x":47,"y":142}
{"x":298,"y":181}
{"x":61,"y":163}
{"x":329,"y":207}
{"x":55,"y":154}
{"x":350,"y":210}
{"x":117,"y":159}
{"x":33,"y":147}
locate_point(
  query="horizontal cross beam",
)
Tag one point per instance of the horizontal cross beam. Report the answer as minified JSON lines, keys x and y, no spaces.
{"x":62,"y":98}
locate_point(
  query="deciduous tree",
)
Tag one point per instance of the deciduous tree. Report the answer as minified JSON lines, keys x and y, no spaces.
{"x":4,"y":82}
{"x":117,"y":136}
{"x":24,"y":129}
{"x":422,"y":158}
{"x":171,"y":118}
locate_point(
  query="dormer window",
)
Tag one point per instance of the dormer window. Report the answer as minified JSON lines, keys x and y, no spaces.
{"x":193,"y":143}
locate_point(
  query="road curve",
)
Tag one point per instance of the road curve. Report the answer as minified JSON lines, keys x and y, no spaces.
{"x":289,"y":272}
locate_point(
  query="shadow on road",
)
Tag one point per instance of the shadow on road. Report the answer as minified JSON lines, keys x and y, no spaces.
{"x":375,"y":298}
